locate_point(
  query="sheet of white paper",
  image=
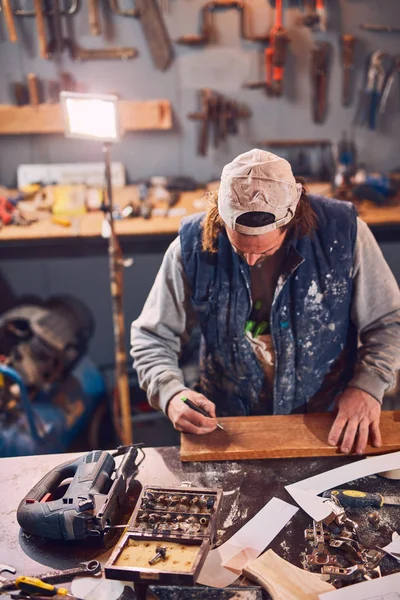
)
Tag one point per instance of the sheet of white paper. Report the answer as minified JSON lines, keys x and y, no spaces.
{"x":384,"y":588}
{"x":252,"y":538}
{"x":305,"y":492}
{"x":394,"y":547}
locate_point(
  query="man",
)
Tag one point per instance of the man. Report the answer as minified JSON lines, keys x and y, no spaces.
{"x":298,"y":310}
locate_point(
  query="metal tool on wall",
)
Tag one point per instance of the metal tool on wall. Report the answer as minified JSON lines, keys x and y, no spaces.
{"x":57,"y":43}
{"x":9,"y":19}
{"x":348,"y":45}
{"x":370,"y":96}
{"x":379,"y":28}
{"x":315,"y":15}
{"x":94,"y":17}
{"x":218,"y":114}
{"x":320,"y":60}
{"x":156,"y":34}
{"x":207,"y":31}
{"x":275,"y":57}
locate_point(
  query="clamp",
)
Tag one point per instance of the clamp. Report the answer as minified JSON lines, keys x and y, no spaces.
{"x":207,"y":29}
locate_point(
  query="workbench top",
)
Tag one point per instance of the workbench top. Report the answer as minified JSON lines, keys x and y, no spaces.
{"x":88,"y":226}
{"x":247,"y":487}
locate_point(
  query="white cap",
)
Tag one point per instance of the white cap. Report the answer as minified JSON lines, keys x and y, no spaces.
{"x":258,"y":181}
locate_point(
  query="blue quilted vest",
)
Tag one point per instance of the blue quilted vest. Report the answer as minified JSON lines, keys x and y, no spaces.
{"x":313,"y":337}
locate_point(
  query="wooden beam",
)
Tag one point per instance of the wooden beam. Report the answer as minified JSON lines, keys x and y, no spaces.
{"x":278,"y":436}
{"x":47,"y":118}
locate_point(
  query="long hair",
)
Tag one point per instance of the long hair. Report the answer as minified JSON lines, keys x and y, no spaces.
{"x":303,"y":223}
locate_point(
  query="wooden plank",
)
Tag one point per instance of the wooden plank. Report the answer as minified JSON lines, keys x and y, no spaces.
{"x":278,"y":436}
{"x":47,"y":118}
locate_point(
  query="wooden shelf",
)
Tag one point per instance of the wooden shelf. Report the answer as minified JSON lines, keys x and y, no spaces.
{"x":47,"y":118}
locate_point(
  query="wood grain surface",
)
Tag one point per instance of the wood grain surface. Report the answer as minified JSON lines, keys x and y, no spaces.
{"x":135,"y":115}
{"x":284,"y":581}
{"x":278,"y":436}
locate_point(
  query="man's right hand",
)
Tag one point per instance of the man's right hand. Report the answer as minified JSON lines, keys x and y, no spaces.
{"x":188,"y":420}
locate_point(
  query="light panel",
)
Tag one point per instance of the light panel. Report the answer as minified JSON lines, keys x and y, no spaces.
{"x":90,"y":116}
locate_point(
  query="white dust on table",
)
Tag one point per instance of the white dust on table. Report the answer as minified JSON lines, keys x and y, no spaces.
{"x":234,"y":513}
{"x":285,"y":547}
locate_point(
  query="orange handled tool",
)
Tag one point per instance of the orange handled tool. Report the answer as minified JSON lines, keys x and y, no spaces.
{"x":9,"y":18}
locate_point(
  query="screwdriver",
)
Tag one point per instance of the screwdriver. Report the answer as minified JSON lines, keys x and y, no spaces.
{"x":357,"y":499}
{"x":198,"y":409}
{"x":33,"y":585}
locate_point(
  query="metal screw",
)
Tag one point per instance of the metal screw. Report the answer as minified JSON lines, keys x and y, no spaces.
{"x":161,"y":553}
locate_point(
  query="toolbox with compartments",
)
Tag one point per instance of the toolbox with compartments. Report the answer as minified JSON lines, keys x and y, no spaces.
{"x":168,"y":536}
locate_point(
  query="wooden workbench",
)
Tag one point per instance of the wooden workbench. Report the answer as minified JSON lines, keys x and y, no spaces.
{"x":88,"y":226}
{"x":247,"y":487}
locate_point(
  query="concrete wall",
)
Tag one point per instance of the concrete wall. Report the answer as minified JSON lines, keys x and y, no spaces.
{"x":225,"y":67}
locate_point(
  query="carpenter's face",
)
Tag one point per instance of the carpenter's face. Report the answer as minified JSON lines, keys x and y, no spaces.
{"x":256,"y":248}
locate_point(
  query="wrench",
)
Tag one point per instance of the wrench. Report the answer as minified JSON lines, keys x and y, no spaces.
{"x":91,"y":567}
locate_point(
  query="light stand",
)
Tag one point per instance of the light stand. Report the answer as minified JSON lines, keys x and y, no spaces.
{"x":89,"y":116}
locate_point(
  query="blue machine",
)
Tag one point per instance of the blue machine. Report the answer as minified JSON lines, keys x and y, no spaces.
{"x":53,"y":419}
{"x":49,"y":388}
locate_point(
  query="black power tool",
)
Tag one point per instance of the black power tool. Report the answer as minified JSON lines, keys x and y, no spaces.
{"x":91,"y":503}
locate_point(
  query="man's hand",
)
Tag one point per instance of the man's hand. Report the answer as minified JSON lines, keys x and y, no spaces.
{"x":359,"y":413}
{"x":188,"y":420}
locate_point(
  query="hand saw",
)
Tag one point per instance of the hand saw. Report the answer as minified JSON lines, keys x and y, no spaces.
{"x":154,"y":29}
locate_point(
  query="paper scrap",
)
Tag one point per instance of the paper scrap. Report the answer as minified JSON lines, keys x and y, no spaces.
{"x":305,"y":492}
{"x":384,"y":588}
{"x":394,"y":547}
{"x":246,"y":544}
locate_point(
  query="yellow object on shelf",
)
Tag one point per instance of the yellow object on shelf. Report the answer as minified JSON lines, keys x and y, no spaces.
{"x":69,"y":200}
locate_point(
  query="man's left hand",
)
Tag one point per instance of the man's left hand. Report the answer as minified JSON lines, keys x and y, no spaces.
{"x":358,"y":413}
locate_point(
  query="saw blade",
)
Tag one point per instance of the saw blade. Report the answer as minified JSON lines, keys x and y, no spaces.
{"x":392,"y":500}
{"x":155,"y":32}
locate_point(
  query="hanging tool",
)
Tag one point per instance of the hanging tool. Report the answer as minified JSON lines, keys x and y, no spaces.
{"x":393,"y":70}
{"x":155,"y":32}
{"x":57,"y":43}
{"x":319,"y":80}
{"x":207,"y":31}
{"x":220,"y":114}
{"x":92,"y":568}
{"x":357,"y":499}
{"x":94,"y":17}
{"x":321,"y":12}
{"x":275,"y":55}
{"x":41,"y":29}
{"x":71,"y":10}
{"x":33,"y":89}
{"x":310,"y":18}
{"x":370,"y":97}
{"x":379,"y":28}
{"x":9,"y":19}
{"x":348,"y":44}
{"x":91,"y":502}
{"x":121,"y":53}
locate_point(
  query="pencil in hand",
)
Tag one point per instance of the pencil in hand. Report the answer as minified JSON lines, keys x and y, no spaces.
{"x":198,"y":409}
